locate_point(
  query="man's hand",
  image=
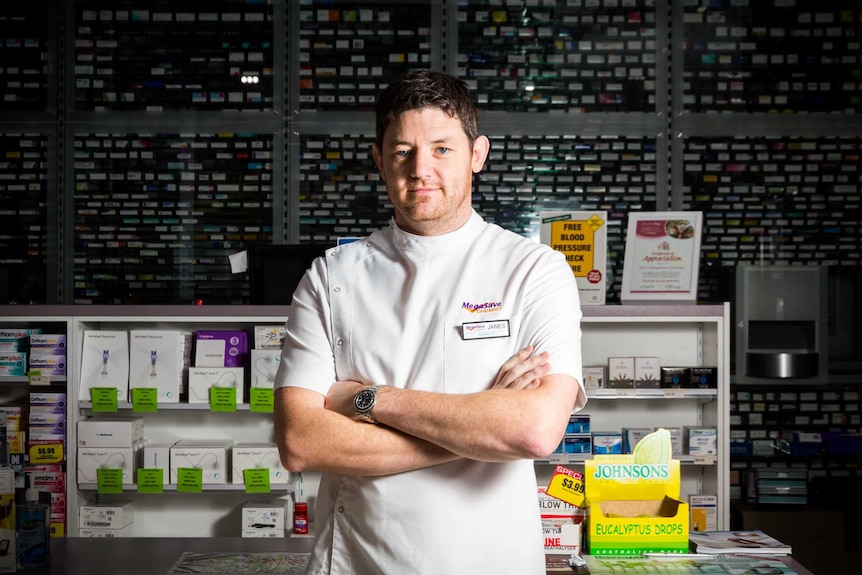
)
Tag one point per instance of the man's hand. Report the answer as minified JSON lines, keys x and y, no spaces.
{"x":523,"y":370}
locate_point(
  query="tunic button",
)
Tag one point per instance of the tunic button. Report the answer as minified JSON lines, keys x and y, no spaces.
{"x":336,"y":290}
{"x":341,"y":508}
{"x":339,"y":342}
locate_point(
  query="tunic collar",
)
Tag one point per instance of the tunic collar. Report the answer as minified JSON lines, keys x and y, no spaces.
{"x":462,"y":236}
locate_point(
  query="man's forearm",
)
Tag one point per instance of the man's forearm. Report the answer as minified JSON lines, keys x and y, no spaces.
{"x":492,"y":425}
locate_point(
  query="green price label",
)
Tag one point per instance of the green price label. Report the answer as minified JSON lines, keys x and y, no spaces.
{"x":109,"y":480}
{"x":104,"y":398}
{"x":222,"y":399}
{"x":151,"y":480}
{"x":256,"y":480}
{"x":190,"y":479}
{"x":145,"y":399}
{"x":261,"y":400}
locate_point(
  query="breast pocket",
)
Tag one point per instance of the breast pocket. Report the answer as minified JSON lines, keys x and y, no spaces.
{"x":472,"y":362}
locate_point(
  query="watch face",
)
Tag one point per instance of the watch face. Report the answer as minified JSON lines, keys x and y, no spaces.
{"x":364,"y":400}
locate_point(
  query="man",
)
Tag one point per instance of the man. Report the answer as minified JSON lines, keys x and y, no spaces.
{"x":427,"y":365}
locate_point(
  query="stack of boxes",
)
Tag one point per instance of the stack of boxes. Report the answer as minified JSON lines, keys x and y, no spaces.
{"x":109,"y":443}
{"x":47,"y":354}
{"x":46,"y":446}
{"x":14,"y":345}
{"x":107,"y":520}
{"x":265,"y":519}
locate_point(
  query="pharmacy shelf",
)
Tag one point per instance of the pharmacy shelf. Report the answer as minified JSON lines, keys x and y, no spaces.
{"x":679,"y":335}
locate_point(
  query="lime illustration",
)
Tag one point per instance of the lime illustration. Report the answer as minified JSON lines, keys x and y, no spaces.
{"x":653,"y":448}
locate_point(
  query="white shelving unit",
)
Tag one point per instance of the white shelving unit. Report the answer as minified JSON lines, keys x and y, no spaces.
{"x":679,"y":335}
{"x":685,"y":335}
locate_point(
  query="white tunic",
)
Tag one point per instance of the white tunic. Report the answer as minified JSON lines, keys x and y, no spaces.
{"x":389,"y":309}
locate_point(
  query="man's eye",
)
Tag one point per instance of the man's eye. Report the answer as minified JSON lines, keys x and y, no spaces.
{"x":443,"y":150}
{"x":402,"y":153}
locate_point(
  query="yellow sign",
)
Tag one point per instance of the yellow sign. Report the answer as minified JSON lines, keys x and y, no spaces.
{"x":43,"y":453}
{"x":575,"y":240}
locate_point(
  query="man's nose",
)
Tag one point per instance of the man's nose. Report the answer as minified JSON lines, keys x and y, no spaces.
{"x":422,"y":163}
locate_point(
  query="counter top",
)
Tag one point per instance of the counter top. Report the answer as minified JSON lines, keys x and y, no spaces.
{"x":156,"y":555}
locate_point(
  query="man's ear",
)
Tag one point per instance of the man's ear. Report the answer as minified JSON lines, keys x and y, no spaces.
{"x":481,"y":148}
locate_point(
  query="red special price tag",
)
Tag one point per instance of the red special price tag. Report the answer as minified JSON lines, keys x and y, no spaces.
{"x":567,"y":485}
{"x":42,"y":452}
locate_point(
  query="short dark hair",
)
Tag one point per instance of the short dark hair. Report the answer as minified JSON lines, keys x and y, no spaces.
{"x":427,"y":89}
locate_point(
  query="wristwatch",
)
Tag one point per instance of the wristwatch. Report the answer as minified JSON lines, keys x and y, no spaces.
{"x":364,"y":402}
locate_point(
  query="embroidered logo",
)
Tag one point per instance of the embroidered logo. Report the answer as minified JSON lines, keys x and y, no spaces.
{"x":482,"y":307}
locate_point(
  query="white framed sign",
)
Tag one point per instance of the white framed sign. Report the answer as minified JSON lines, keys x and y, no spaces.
{"x":662,"y":257}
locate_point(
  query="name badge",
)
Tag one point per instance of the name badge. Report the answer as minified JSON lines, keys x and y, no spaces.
{"x":485,"y":329}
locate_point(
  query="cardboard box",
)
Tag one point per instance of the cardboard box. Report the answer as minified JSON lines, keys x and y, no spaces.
{"x":582,"y":237}
{"x":105,"y":516}
{"x":215,"y":348}
{"x":634,"y":501}
{"x":158,"y":456}
{"x":105,"y":362}
{"x":111,"y":432}
{"x":91,"y":459}
{"x":647,"y":372}
{"x":201,"y":379}
{"x":561,"y":524}
{"x":621,"y":372}
{"x":701,"y":440}
{"x":605,"y":442}
{"x":269,"y":336}
{"x":595,"y":376}
{"x":267,"y":514}
{"x":211,"y":456}
{"x":703,"y":511}
{"x":126,"y":531}
{"x":675,"y":377}
{"x":264,"y":364}
{"x":158,"y":359}
{"x":257,"y":456}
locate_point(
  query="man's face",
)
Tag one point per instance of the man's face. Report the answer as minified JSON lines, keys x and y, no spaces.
{"x":428,"y":164}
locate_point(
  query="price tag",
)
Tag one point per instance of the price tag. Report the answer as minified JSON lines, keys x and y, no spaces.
{"x":104,"y":399}
{"x":262,"y":400}
{"x":151,"y":480}
{"x":256,"y":480}
{"x":35,"y":377}
{"x":222,"y":399}
{"x":190,"y":479}
{"x":46,"y":452}
{"x":58,"y":529}
{"x":567,"y":485}
{"x":109,"y":480}
{"x":145,"y":399}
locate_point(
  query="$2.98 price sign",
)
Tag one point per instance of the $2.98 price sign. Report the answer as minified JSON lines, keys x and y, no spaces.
{"x":567,"y":485}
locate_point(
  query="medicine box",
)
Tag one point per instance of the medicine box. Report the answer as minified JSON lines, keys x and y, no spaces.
{"x":675,"y":377}
{"x":265,"y":514}
{"x":111,"y":432}
{"x":201,"y":379}
{"x":264,"y":365}
{"x":595,"y":376}
{"x":127,"y":531}
{"x":105,"y":362}
{"x":578,"y":424}
{"x":91,"y":459}
{"x":631,"y":436}
{"x":13,"y":363}
{"x":647,"y":372}
{"x":577,"y":444}
{"x":158,"y":456}
{"x":257,"y":456}
{"x":701,"y":440}
{"x":621,"y":372}
{"x":607,"y":442}
{"x":704,"y":377}
{"x":269,"y":336}
{"x":561,"y":524}
{"x":107,"y":516}
{"x":210,"y":456}
{"x":214,"y":348}
{"x":56,"y":399}
{"x":703,"y":512}
{"x":156,"y":360}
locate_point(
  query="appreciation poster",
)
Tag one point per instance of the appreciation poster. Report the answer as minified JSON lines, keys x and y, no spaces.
{"x":662,"y":257}
{"x":581,"y":237}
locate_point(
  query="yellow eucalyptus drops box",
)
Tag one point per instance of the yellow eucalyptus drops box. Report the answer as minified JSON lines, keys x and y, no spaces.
{"x":633,"y":500}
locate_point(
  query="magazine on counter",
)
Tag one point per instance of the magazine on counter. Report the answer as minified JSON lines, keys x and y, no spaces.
{"x":752,"y":541}
{"x":681,"y":564}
